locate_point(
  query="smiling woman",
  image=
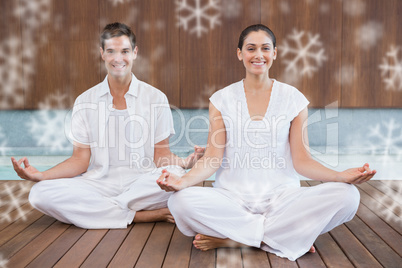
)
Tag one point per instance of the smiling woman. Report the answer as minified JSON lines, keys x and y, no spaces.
{"x":260,"y":203}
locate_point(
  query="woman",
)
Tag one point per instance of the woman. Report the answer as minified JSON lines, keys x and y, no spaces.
{"x":258,"y":143}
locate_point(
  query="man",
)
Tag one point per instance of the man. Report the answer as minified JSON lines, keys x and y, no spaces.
{"x":120,"y":132}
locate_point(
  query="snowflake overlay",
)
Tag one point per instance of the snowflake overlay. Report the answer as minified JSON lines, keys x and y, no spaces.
{"x":16,"y":199}
{"x":354,"y":8}
{"x":391,"y":69}
{"x":144,"y":66}
{"x":10,"y":73}
{"x":284,"y":7}
{"x":193,"y":16}
{"x":47,"y":126}
{"x":368,"y":35}
{"x":3,"y":262}
{"x":3,"y":142}
{"x":55,"y":101}
{"x":305,"y":57}
{"x":231,"y":8}
{"x":203,"y":99}
{"x":390,"y":202}
{"x":346,"y":75}
{"x":386,"y":139}
{"x":117,"y":2}
{"x":16,"y":59}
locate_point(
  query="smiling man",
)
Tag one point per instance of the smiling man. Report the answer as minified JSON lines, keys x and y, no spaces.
{"x":120,"y":131}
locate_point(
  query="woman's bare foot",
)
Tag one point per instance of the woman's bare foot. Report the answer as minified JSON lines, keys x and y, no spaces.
{"x":204,"y":242}
{"x":312,"y":249}
{"x":162,"y":214}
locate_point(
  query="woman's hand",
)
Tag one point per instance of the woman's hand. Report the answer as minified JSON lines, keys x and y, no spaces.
{"x":27,"y":172}
{"x":170,"y":182}
{"x":356,"y":175}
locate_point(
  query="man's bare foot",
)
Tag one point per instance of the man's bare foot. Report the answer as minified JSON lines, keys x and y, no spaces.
{"x":204,"y":242}
{"x":162,"y":214}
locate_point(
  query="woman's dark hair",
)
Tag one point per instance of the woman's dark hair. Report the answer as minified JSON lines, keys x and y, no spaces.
{"x":115,"y":30}
{"x":255,"y":28}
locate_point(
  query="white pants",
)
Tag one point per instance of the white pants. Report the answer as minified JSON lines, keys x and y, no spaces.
{"x":109,"y":202}
{"x":288,"y":223}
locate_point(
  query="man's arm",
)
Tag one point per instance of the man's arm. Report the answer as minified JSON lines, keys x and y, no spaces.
{"x":73,"y":166}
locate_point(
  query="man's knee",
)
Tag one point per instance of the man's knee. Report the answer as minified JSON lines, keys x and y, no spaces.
{"x":40,"y":196}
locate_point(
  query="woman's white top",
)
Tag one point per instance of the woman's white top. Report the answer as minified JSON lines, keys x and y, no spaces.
{"x":257,"y":159}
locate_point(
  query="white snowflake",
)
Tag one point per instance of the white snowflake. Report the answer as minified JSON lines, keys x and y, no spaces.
{"x":55,"y":101}
{"x":324,"y":8}
{"x":396,"y":186}
{"x":368,"y":35}
{"x":284,"y":7}
{"x":3,"y":142}
{"x":118,"y":2}
{"x":144,"y":66}
{"x":3,"y":261}
{"x":11,"y":90}
{"x":386,"y":139}
{"x":16,"y":59}
{"x":354,"y":8}
{"x":159,"y":25}
{"x":193,"y":16}
{"x":35,"y":13}
{"x":392,"y":194}
{"x":202,"y":100}
{"x":231,"y":8}
{"x":48,"y":129}
{"x":391,"y":69}
{"x":14,"y":201}
{"x":346,"y":75}
{"x":306,"y":54}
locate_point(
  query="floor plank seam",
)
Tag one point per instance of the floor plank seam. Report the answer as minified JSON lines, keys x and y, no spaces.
{"x":168,"y":246}
{"x":146,"y":241}
{"x":363,"y":244}
{"x":377,"y":201}
{"x":341,"y":248}
{"x":121,"y":244}
{"x":379,"y":235}
{"x":378,"y":206}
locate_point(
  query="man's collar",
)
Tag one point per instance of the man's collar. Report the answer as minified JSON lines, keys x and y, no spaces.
{"x":132,"y":90}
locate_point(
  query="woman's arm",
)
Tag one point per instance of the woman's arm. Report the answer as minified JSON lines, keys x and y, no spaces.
{"x":305,"y":165}
{"x":206,"y":165}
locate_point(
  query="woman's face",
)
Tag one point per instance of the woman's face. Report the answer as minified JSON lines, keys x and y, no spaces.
{"x":257,"y":53}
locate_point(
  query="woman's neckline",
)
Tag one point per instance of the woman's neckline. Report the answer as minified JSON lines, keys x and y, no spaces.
{"x":269,"y":102}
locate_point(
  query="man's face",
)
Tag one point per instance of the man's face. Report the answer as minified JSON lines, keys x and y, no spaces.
{"x":119,"y":56}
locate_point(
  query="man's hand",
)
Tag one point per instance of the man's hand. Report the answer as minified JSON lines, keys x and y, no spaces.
{"x":27,"y":172}
{"x":170,"y":182}
{"x":356,"y":175}
{"x":190,"y":161}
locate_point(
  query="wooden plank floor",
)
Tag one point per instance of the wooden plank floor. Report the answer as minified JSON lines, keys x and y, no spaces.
{"x":30,"y":239}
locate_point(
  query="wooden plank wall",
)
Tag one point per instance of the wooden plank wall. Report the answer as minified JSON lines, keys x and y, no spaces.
{"x":340,"y":51}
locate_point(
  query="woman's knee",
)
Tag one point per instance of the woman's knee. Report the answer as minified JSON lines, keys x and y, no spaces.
{"x":348,"y":196}
{"x":180,"y":202}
